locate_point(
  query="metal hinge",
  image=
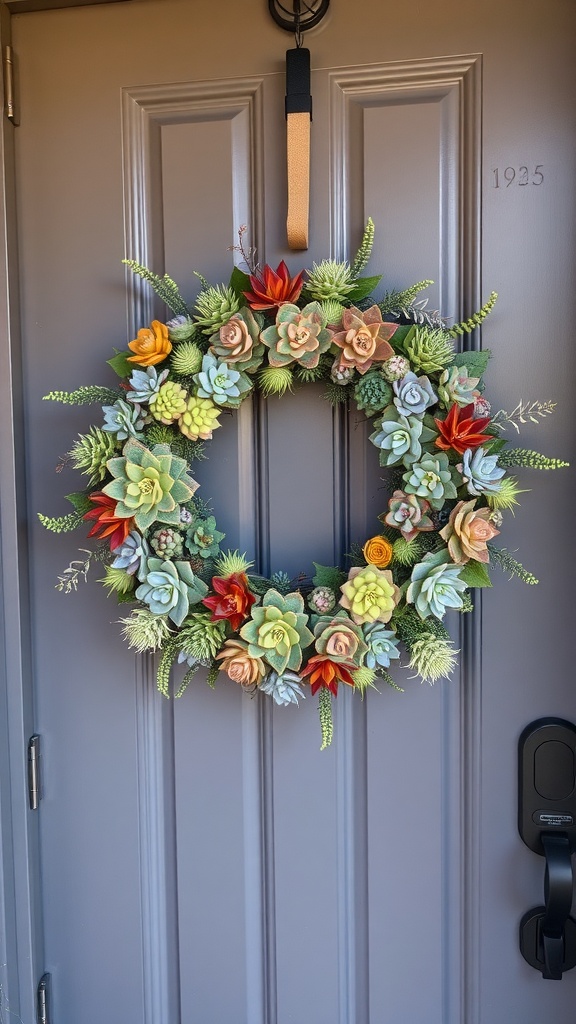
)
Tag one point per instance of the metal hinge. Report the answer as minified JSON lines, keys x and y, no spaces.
{"x":9,"y":90}
{"x":34,"y":787}
{"x":42,"y":1000}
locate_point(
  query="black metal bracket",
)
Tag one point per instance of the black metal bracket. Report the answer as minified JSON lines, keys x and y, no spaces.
{"x":547,"y":824}
{"x":304,"y":15}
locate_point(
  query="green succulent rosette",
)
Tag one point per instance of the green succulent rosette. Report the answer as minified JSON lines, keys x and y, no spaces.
{"x":277,"y":631}
{"x":203,"y":539}
{"x":432,"y":478}
{"x":436,"y":585}
{"x":298,"y":336}
{"x":170,"y":588}
{"x":149,"y":486}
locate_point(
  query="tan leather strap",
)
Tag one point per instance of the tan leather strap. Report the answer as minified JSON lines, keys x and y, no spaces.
{"x":298,"y":150}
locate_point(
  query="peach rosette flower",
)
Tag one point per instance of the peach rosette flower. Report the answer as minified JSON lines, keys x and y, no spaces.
{"x":151,"y":346}
{"x":467,"y":533}
{"x":378,"y":551}
{"x":240,"y":666}
{"x":364,"y":340}
{"x":237,"y":341}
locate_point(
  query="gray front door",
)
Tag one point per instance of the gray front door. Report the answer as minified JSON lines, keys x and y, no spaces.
{"x":201,"y":861}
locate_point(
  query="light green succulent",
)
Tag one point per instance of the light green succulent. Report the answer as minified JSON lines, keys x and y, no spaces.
{"x":199,"y":419}
{"x":180,"y":328}
{"x":214,"y":308}
{"x":223,"y":384}
{"x":332,"y":313}
{"x":435,"y":585}
{"x":145,"y":631}
{"x":284,"y":687}
{"x":330,"y":281}
{"x":431,"y":478}
{"x":201,"y":638}
{"x":149,"y":486}
{"x":400,"y":438}
{"x":203,"y":539}
{"x":277,"y":631}
{"x":186,"y":359}
{"x":429,"y":350}
{"x":169,"y":402}
{"x":432,"y":658}
{"x":275,"y":380}
{"x":169,"y":588}
{"x":457,"y":387}
{"x":298,"y":336}
{"x":369,"y":594}
{"x":91,"y":452}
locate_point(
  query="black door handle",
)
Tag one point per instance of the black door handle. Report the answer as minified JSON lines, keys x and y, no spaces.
{"x":547,"y":824}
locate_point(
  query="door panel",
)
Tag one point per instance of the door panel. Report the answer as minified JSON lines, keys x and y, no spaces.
{"x":202,"y":861}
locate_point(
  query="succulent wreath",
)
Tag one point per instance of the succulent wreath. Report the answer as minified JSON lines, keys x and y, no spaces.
{"x":159,"y":543}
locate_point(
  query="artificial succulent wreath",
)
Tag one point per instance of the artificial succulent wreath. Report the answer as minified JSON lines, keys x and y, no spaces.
{"x":437,"y":438}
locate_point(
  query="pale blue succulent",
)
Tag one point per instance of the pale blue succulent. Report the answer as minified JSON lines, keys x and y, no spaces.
{"x":131,"y":552}
{"x":220,"y":382}
{"x":431,"y":478}
{"x":191,"y":661}
{"x":399,"y":437}
{"x":413,"y":395}
{"x":123,"y":419}
{"x":435,"y":585}
{"x":145,"y":384}
{"x":480,"y":472}
{"x":382,"y":645}
{"x":283,"y":687}
{"x":169,"y":588}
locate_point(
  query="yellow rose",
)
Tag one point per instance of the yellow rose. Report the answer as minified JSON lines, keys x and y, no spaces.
{"x":378,"y":551}
{"x":151,"y":346}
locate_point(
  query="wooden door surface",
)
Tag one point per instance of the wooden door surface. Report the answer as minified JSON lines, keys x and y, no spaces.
{"x":201,"y":861}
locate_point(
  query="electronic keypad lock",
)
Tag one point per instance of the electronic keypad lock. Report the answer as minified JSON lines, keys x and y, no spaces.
{"x":547,"y":824}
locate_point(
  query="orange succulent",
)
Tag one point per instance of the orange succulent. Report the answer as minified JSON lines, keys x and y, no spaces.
{"x":460,"y":430}
{"x":106,"y":522}
{"x":151,"y":346}
{"x":378,"y":551}
{"x":273,"y":287}
{"x":327,"y":673}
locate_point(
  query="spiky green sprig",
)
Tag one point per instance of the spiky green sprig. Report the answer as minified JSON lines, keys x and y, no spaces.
{"x":395,"y":301}
{"x":329,"y":281}
{"x":527,"y":457}
{"x":308,"y":375}
{"x":365,"y":250}
{"x":166,"y":289}
{"x":61,"y":524}
{"x":144,"y":631}
{"x":325,"y":713}
{"x":170,"y":650}
{"x":338,"y":393}
{"x":200,"y":637}
{"x":91,"y":451}
{"x":506,"y":498}
{"x":475,"y":320}
{"x":503,"y":558}
{"x":429,"y":350}
{"x":118,"y":581}
{"x":275,"y":380}
{"x":407,"y":552}
{"x":363,"y":680}
{"x":83,"y":396}
{"x":410,"y":628}
{"x":432,"y":658}
{"x":215,"y":306}
{"x":467,"y":605}
{"x":230,"y":562}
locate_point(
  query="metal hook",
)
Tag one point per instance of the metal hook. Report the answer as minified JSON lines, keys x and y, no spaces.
{"x":305,"y":14}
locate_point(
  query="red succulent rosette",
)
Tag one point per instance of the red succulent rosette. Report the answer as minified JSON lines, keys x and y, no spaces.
{"x":325,"y":672}
{"x":460,"y":430}
{"x":232,"y":599}
{"x":273,"y":287}
{"x":106,"y":522}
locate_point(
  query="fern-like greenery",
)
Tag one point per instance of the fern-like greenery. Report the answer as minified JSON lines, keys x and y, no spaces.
{"x":365,"y":251}
{"x":504,"y":559}
{"x":476,"y":319}
{"x":395,"y":301}
{"x":527,"y":457}
{"x":165,"y":288}
{"x":61,"y":524}
{"x":83,"y":396}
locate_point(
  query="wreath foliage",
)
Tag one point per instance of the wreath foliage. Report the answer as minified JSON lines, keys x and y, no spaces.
{"x":159,"y":544}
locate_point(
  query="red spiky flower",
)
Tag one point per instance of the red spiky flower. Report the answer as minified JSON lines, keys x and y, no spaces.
{"x":232,"y":600}
{"x":460,"y":430}
{"x":106,"y":522}
{"x":271,"y":288}
{"x":324,"y":672}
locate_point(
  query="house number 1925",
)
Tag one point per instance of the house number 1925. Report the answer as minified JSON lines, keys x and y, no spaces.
{"x":518,"y":176}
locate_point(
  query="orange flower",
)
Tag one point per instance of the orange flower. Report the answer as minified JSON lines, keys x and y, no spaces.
{"x":460,"y":430}
{"x":240,"y":666}
{"x":273,"y":287}
{"x":106,"y":522}
{"x":232,"y":599}
{"x":364,"y":340}
{"x":378,"y":551}
{"x":151,"y":346}
{"x":324,"y":672}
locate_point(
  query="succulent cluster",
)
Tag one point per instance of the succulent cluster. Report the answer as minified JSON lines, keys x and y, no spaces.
{"x":432,"y":427}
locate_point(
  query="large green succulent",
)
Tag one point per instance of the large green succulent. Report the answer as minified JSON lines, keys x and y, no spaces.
{"x":277,"y":631}
{"x":149,"y":486}
{"x":170,"y":588}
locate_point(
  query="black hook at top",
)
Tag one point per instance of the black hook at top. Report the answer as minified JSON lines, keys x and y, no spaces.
{"x":305,"y":14}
